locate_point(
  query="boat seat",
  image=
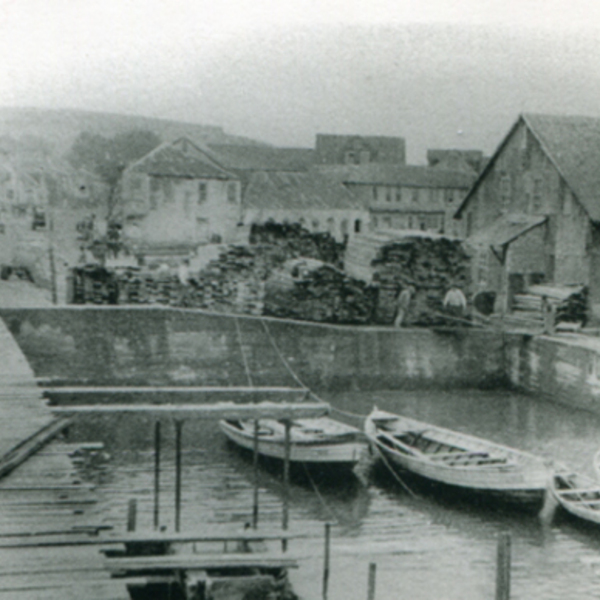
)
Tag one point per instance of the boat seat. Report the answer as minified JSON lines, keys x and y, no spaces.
{"x":459,"y":454}
{"x":580,"y":491}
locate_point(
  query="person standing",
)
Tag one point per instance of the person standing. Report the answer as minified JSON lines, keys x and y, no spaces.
{"x":403,"y":304}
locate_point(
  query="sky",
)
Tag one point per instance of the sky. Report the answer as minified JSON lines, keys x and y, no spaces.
{"x":440,"y":73}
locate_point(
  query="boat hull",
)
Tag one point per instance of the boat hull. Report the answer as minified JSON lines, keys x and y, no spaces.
{"x":346,"y":453}
{"x":524,"y":481}
{"x":580,"y":509}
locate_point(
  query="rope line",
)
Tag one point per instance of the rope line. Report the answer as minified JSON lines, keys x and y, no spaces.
{"x":246,"y":367}
{"x":319,"y":495}
{"x":392,"y":471}
{"x":282,"y":358}
{"x":347,"y":413}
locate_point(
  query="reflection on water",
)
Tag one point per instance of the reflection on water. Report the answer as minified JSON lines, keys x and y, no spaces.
{"x":427,"y":546}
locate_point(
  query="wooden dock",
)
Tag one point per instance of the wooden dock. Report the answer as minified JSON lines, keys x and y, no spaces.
{"x":26,"y":422}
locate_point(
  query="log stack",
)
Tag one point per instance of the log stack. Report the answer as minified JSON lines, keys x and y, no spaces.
{"x":431,"y":264}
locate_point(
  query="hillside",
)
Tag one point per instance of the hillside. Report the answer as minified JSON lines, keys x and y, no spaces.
{"x":58,"y":128}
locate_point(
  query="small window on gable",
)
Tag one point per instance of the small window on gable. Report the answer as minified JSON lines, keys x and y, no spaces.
{"x":505,"y":192}
{"x":538,"y":194}
{"x":202,"y":192}
{"x":357,"y":225}
{"x":232,"y":192}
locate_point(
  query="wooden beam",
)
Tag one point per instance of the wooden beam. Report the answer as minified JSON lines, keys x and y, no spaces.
{"x":196,"y":561}
{"x":181,"y":389}
{"x":220,"y":410}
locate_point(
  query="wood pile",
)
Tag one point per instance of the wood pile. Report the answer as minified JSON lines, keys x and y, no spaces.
{"x":432,"y":265}
{"x":295,"y":240}
{"x":569,"y":303}
{"x":321,"y":293}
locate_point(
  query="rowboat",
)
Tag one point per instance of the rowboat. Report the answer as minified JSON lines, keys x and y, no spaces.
{"x":314,"y":441}
{"x":456,"y":459}
{"x":577,"y":494}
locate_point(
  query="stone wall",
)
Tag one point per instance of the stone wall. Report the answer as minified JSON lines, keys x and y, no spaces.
{"x":166,"y":346}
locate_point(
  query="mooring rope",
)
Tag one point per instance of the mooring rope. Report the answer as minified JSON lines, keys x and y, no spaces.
{"x":392,"y":471}
{"x":319,"y":495}
{"x":246,"y":367}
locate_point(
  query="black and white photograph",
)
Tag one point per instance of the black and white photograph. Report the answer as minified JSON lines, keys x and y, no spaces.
{"x":299,"y":300}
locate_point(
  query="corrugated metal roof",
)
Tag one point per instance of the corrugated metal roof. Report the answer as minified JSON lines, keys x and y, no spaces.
{"x":400,"y":175}
{"x":573,"y":144}
{"x":181,"y":158}
{"x":259,"y":158}
{"x":268,"y":189}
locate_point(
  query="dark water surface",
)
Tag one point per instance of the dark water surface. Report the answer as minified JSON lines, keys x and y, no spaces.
{"x":426,"y":546}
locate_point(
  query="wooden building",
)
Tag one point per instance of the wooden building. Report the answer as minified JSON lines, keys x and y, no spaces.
{"x":532,"y":215}
{"x":403,"y":197}
{"x":179,"y":194}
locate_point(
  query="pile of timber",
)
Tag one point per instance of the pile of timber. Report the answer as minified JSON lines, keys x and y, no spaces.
{"x":431,"y":264}
{"x":567,"y":302}
{"x":310,"y":290}
{"x":294,"y":241}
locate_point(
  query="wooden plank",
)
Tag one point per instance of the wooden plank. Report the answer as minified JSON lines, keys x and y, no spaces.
{"x":197,"y":561}
{"x":172,"y":389}
{"x":250,"y":536}
{"x":222,"y":410}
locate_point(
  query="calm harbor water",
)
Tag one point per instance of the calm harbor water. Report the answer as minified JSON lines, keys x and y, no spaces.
{"x":427,"y":546}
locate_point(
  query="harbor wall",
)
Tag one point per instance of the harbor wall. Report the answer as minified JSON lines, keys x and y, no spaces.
{"x":563,"y":368}
{"x":165,"y":346}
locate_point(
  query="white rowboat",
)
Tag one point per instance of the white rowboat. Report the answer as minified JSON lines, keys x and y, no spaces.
{"x":456,"y":459}
{"x":577,"y":494}
{"x":322,"y":441}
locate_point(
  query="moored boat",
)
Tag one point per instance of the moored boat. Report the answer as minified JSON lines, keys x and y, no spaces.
{"x":578,"y":494}
{"x":312,"y":441}
{"x":456,"y":459}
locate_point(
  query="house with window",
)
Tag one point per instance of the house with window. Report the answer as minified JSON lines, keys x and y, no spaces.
{"x":533,"y":214}
{"x":359,"y":150}
{"x":179,"y":194}
{"x":404,"y":197}
{"x":314,"y":201}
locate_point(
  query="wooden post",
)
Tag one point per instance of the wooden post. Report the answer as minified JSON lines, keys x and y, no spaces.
{"x":255,"y":464}
{"x":286,"y":481}
{"x":503,"y":568}
{"x":178,"y":426}
{"x":131,"y":514}
{"x":53,"y":287}
{"x":326,"y":560}
{"x":371,"y":586}
{"x":156,"y":474}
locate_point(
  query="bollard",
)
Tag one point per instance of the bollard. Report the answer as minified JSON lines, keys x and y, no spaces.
{"x":156,"y":473}
{"x":326,"y":560}
{"x":371,"y":587}
{"x":286,"y":482}
{"x":255,"y":464}
{"x":503,"y":568}
{"x":131,"y":514}
{"x":178,"y":426}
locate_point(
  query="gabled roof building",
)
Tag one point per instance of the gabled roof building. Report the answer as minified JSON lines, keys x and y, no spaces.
{"x":533,"y":214}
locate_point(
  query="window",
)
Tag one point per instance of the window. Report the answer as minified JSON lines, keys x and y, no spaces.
{"x":410,"y":222}
{"x":398,"y":195}
{"x":388,"y":194}
{"x":387,"y":222}
{"x":315,"y":224}
{"x":450,"y":197}
{"x":375,"y":221}
{"x":357,"y":225}
{"x":350,"y":158}
{"x":415,"y":195}
{"x":330,"y":224}
{"x":202,"y":192}
{"x":375,"y":193}
{"x":231,"y":192}
{"x":344,"y":227}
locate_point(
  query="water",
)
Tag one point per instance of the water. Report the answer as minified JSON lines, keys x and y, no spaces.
{"x":430,"y":546}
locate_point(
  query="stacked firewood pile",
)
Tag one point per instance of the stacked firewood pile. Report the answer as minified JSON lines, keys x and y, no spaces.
{"x":318,"y":292}
{"x":294,"y":240}
{"x":431,"y":265}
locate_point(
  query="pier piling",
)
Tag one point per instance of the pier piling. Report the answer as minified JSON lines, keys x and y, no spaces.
{"x":286,"y":482}
{"x":371,"y":584}
{"x":131,"y":514}
{"x":503,"y":568}
{"x":326,"y":560}
{"x":255,"y":465}
{"x":178,"y":427}
{"x":156,"y":474}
